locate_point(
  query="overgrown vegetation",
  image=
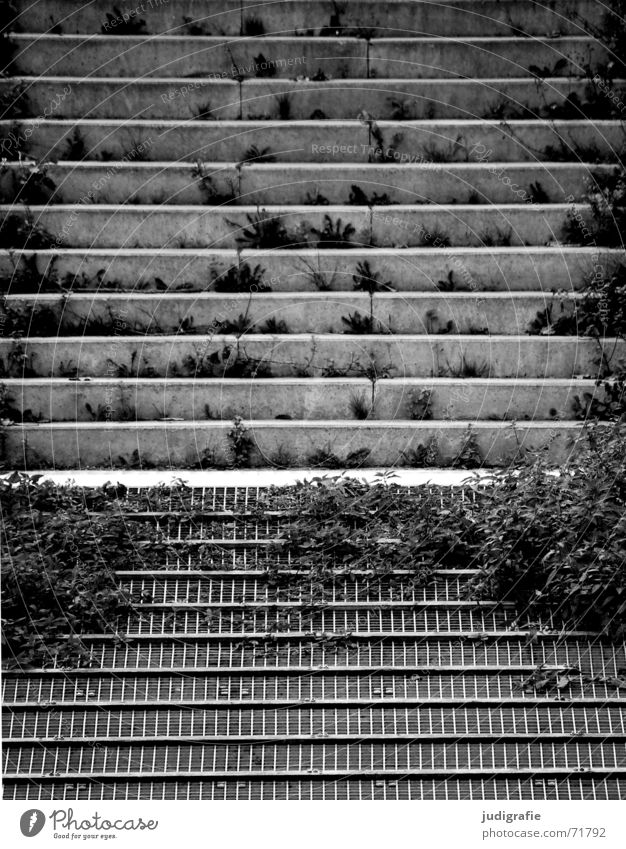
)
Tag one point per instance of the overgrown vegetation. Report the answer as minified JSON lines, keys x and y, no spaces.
{"x":59,"y":558}
{"x":553,"y":544}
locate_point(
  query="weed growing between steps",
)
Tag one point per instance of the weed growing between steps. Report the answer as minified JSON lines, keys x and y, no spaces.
{"x":552,"y":544}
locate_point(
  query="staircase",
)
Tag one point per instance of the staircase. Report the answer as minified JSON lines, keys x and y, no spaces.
{"x":302,"y":234}
{"x":337,"y":227}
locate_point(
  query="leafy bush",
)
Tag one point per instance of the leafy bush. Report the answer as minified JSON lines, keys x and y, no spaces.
{"x":553,"y":544}
{"x":557,"y":543}
{"x":58,"y":563}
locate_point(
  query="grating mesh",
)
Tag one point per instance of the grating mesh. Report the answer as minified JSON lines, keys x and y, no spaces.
{"x":517,"y":720}
{"x":228,"y":685}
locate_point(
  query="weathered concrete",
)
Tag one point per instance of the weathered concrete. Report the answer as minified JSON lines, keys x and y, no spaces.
{"x":461,"y":140}
{"x":409,"y":269}
{"x":171,"y":226}
{"x":309,"y":354}
{"x":110,"y":55}
{"x":291,"y":183}
{"x":397,"y":17}
{"x":323,"y":312}
{"x":112,"y":399}
{"x":165,"y":444}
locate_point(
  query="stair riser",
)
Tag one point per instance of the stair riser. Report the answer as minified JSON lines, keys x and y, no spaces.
{"x":313,"y":313}
{"x":419,"y":270}
{"x":219,"y":141}
{"x":76,"y":446}
{"x":306,"y":400}
{"x":186,"y":99}
{"x":287,"y":16}
{"x":300,"y":184}
{"x":110,"y":56}
{"x":291,"y":356}
{"x":222,"y":227}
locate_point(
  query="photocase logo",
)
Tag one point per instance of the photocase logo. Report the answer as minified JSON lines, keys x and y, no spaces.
{"x":31,"y":822}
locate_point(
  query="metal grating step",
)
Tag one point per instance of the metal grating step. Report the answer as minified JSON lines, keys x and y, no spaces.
{"x":228,"y":687}
{"x":452,"y":788}
{"x":302,"y":758}
{"x":358,"y":722}
{"x":477,"y":649}
{"x":238,"y":590}
{"x":261,"y":621}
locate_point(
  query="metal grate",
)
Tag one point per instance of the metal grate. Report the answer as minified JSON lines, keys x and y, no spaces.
{"x":461,"y":686}
{"x":334,"y":692}
{"x":365,"y":620}
{"x":306,"y":758}
{"x":453,"y":788}
{"x":236,"y":590}
{"x":518,"y":720}
{"x":474,"y":649}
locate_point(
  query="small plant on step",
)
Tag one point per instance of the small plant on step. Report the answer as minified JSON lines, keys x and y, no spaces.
{"x":447,"y":285}
{"x":212,"y":196}
{"x":234,"y":327}
{"x":359,"y":198}
{"x":283,"y":458}
{"x":23,"y":232}
{"x":240,"y":278}
{"x":14,"y":102}
{"x":468,"y":456}
{"x":468,"y":369}
{"x":13,"y":145}
{"x":204,"y":112}
{"x":435,"y":239}
{"x":494,"y":237}
{"x":323,"y":281}
{"x":366,"y":280}
{"x":316,"y":199}
{"x":240,"y":444}
{"x":434,"y":326}
{"x":610,"y":406}
{"x":75,"y":146}
{"x":274,"y":325}
{"x":401,"y":110}
{"x":283,"y":103}
{"x":193,"y":27}
{"x":422,"y":456}
{"x":545,"y":323}
{"x":264,"y":231}
{"x":420,"y":404}
{"x":119,"y":23}
{"x":258,"y":155}
{"x":324,"y":458}
{"x":606,"y":196}
{"x":253,"y":26}
{"x":333,"y":234}
{"x":28,"y":278}
{"x":31,"y":183}
{"x":537,"y":193}
{"x":360,"y":406}
{"x":358,"y":324}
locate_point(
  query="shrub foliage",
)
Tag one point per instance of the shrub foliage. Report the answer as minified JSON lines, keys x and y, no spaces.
{"x":554,"y":543}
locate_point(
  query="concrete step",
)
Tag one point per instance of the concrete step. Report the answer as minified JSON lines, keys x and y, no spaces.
{"x":136,"y":226}
{"x":292,"y":57}
{"x":111,"y":399}
{"x":277,"y":312}
{"x":306,"y":270}
{"x":397,"y":17}
{"x":262,"y":99}
{"x":182,"y":444}
{"x":312,"y":141}
{"x":295,"y":183}
{"x":319,"y":355}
